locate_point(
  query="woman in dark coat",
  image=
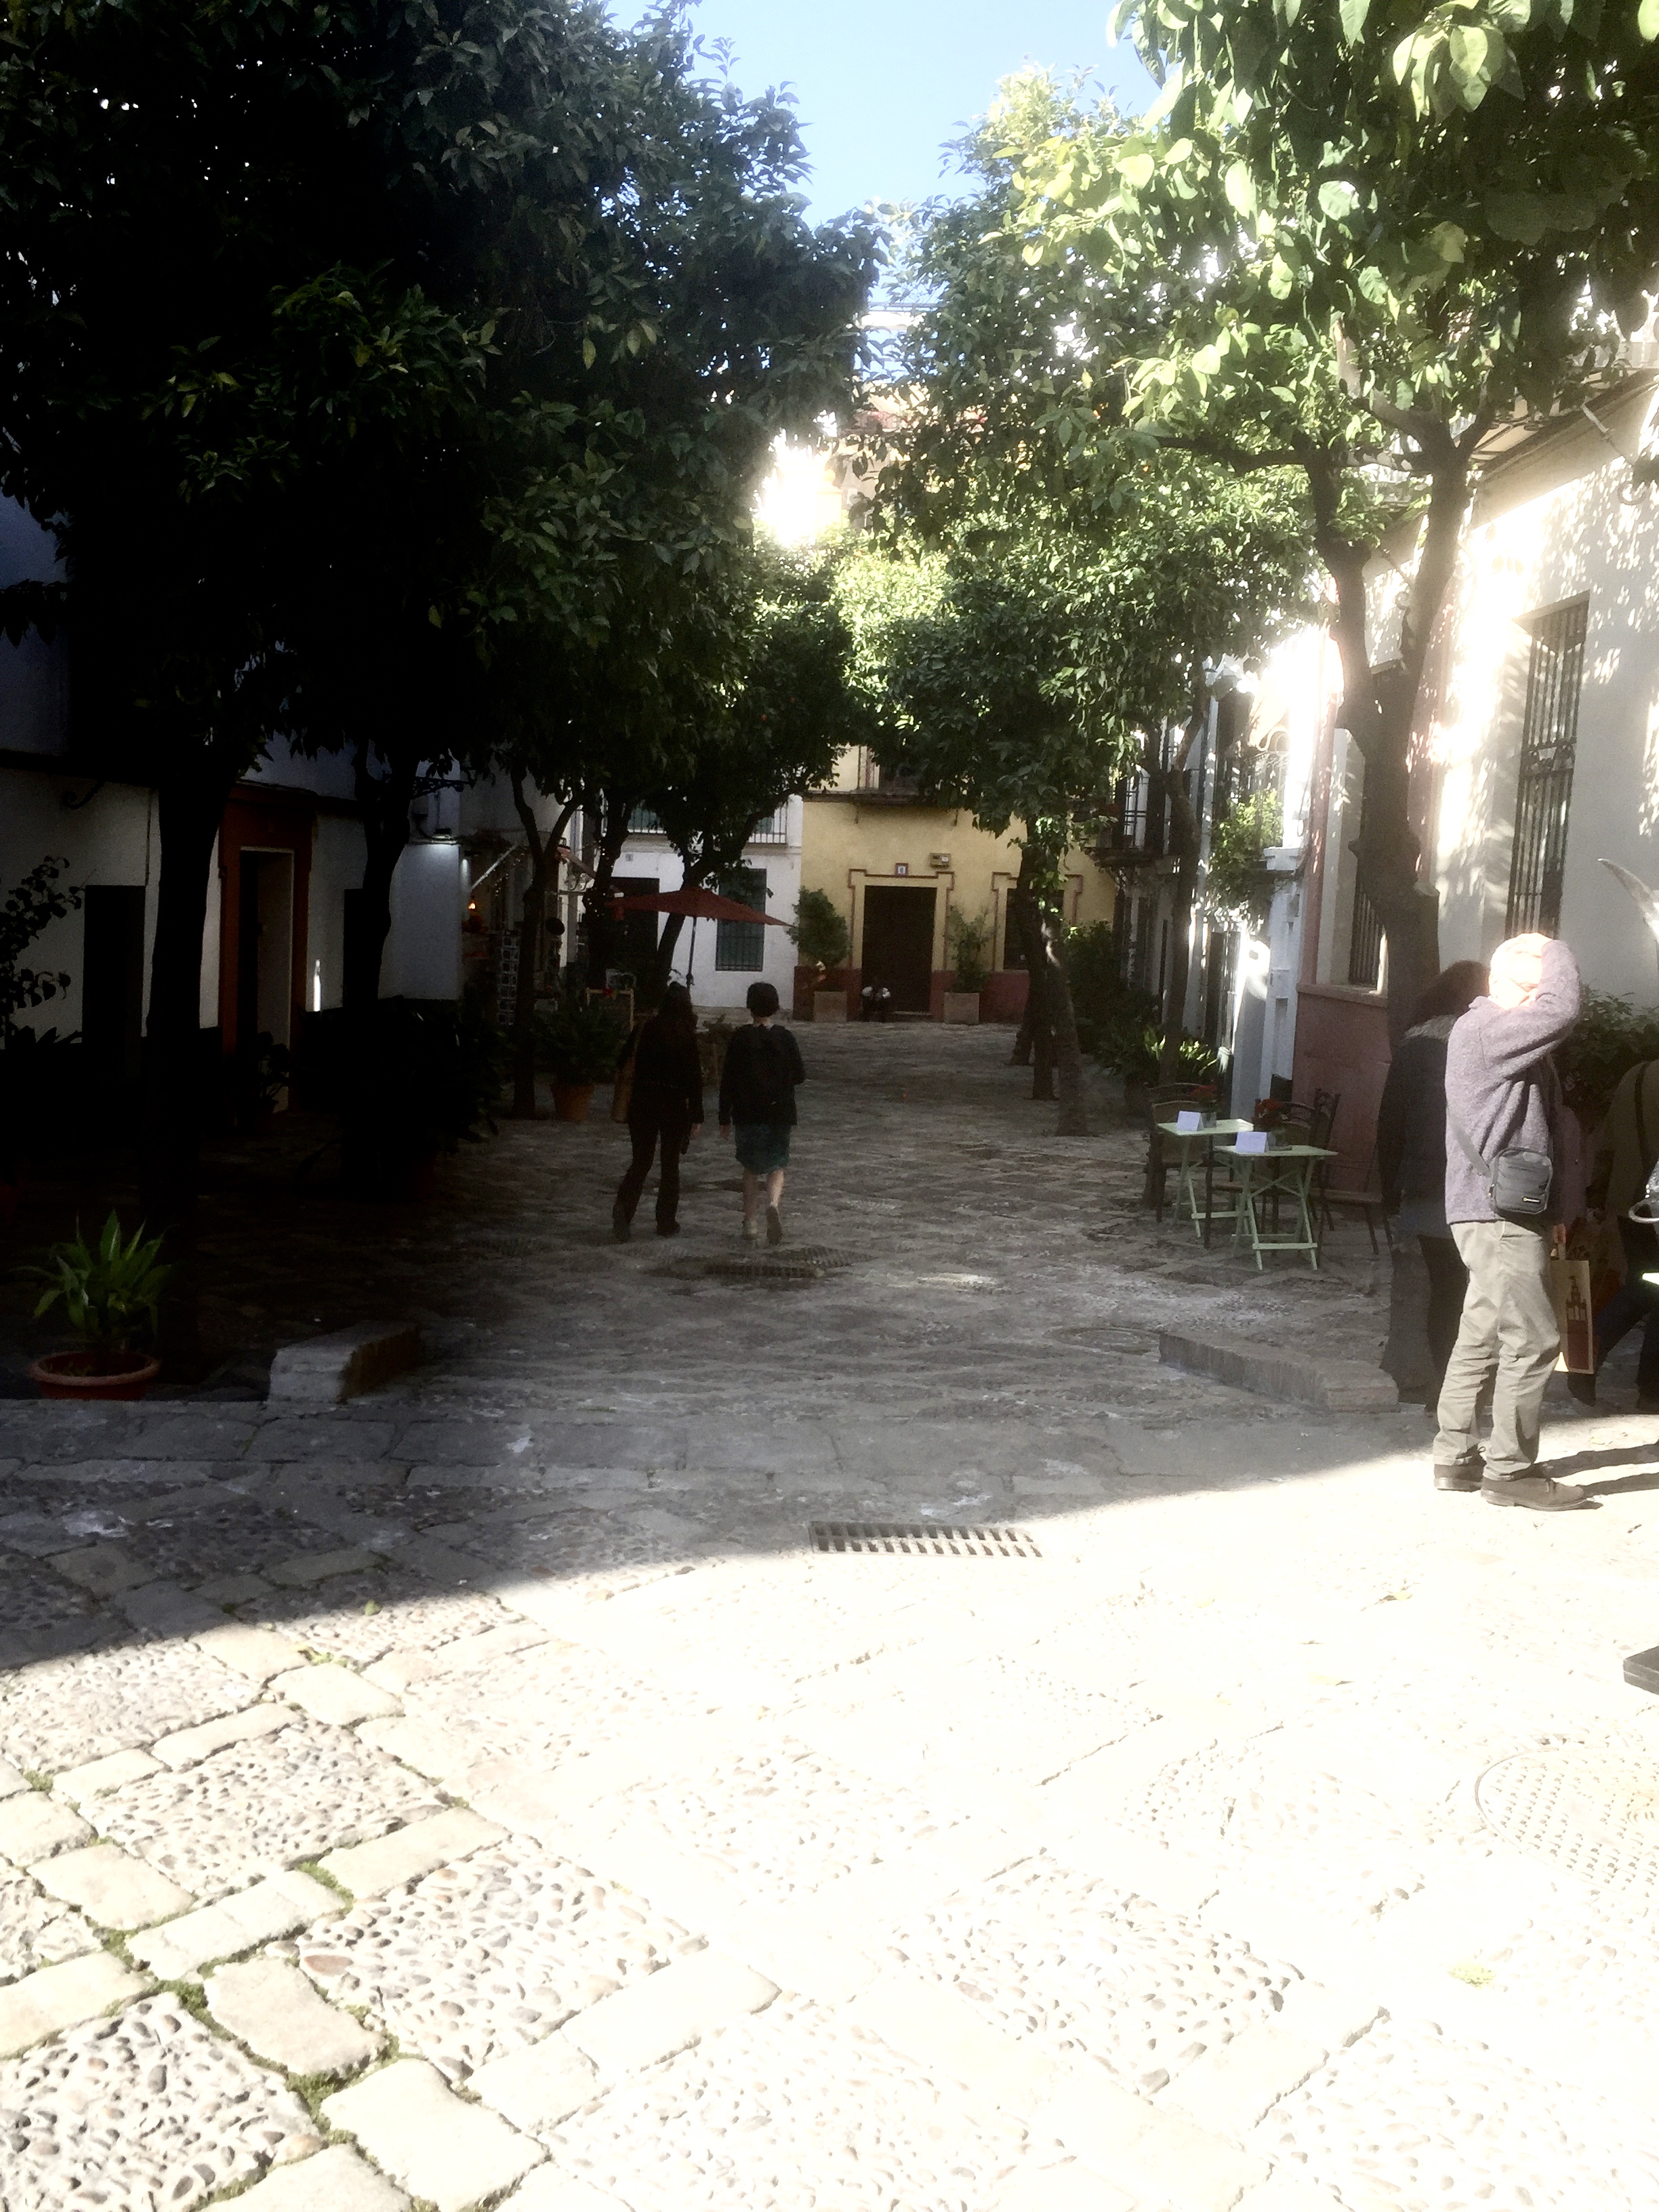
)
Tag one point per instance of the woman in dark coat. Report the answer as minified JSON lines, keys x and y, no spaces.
{"x":1411,"y":1148}
{"x":664,"y":1108}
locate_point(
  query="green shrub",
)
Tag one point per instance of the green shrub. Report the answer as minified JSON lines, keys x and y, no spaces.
{"x":1132,"y":1049}
{"x":819,"y":931}
{"x":579,"y":1040}
{"x":1611,"y":1036}
{"x":1102,"y":1002}
{"x":969,"y":937}
{"x":712,"y":1038}
{"x":1237,"y":881}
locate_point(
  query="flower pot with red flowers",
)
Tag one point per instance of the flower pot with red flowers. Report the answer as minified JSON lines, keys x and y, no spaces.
{"x":110,"y":1292}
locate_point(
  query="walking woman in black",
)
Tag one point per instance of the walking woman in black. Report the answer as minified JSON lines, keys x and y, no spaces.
{"x":665,"y":1109}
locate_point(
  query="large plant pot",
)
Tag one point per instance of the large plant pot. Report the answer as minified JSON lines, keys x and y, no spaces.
{"x":571,"y":1101}
{"x":829,"y":1005}
{"x":88,"y":1374}
{"x":962,"y":1005}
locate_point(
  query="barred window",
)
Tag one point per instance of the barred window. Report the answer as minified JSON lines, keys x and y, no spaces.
{"x":742,"y":945}
{"x":1549,"y":745}
{"x":1366,"y":943}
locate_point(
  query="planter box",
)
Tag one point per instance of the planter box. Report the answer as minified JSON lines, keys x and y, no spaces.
{"x":962,"y":1005}
{"x":571,"y":1101}
{"x":829,"y":1005}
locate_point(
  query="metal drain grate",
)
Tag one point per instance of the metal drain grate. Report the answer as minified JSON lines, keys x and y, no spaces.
{"x":1594,"y":1813}
{"x":894,"y":1536}
{"x":779,"y":1263}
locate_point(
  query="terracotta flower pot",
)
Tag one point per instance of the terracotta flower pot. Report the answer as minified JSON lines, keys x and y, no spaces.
{"x":89,"y":1375}
{"x":570,"y":1101}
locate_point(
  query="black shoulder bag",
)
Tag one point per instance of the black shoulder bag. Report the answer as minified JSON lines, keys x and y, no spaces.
{"x":1517,"y":1181}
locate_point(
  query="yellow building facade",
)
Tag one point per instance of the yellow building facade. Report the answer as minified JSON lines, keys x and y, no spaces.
{"x":897,"y":869}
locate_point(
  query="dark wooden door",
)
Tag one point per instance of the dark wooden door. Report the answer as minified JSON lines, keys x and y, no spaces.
{"x":898,"y":944}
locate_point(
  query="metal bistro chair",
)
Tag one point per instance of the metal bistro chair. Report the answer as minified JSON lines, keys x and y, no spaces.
{"x":1166,"y":1098}
{"x":1366,"y":1202}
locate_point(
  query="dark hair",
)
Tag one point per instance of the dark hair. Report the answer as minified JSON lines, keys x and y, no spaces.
{"x":677,"y":1014}
{"x":762,"y":999}
{"x":1453,"y":991}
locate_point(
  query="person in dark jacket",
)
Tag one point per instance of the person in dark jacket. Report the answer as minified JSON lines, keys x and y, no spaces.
{"x":757,"y":1098}
{"x":1411,"y":1150}
{"x":664,"y":1108}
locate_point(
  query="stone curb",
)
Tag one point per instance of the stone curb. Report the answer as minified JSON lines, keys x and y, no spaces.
{"x":326,"y":1370}
{"x":1273,"y":1371}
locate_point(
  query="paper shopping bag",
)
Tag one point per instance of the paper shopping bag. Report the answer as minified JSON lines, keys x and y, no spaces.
{"x":1570,"y":1286}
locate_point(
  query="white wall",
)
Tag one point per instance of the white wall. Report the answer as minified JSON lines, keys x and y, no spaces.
{"x":423,"y":952}
{"x":112,"y":839}
{"x":721,"y":990}
{"x":1551,"y":527}
{"x":33,"y":675}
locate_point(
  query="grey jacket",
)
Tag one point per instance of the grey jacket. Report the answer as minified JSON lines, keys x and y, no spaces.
{"x":1500,"y":1086}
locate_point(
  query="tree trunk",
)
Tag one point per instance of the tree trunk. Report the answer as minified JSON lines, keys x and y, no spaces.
{"x":1021,"y":1055}
{"x":601,"y":928}
{"x":1379,"y":706}
{"x":1170,"y":780}
{"x":190,"y":809}
{"x":385,"y":801}
{"x":543,"y":852}
{"x":1073,"y":1120}
{"x":1027,"y":924}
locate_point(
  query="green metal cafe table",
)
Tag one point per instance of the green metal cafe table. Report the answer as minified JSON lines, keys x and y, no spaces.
{"x":1264,"y":1178}
{"x":1196,"y":1171}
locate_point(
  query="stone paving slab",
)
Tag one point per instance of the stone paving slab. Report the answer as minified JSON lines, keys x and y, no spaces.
{"x":33,"y":1825}
{"x":67,"y":1712}
{"x":36,"y":1930}
{"x":271,"y":2008}
{"x":112,"y":1888}
{"x":370,"y":1869}
{"x":451,"y":2153}
{"x":334,"y":2181}
{"x":100,"y":1776}
{"x":267,"y":1912}
{"x":56,"y":1997}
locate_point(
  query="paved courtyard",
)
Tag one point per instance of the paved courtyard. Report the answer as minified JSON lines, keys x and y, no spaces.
{"x":487,"y":1793}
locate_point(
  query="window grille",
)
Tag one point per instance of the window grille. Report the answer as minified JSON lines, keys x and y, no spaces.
{"x":774,"y":830}
{"x":642,"y":822}
{"x":1365,"y":943}
{"x":742,"y":945}
{"x":1549,"y":744}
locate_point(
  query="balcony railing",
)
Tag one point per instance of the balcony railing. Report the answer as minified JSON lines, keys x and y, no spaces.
{"x":774,"y":830}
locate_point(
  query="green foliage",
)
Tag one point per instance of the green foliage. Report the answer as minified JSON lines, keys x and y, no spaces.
{"x":1109,"y":1011}
{"x":1611,"y":1036}
{"x":969,"y":937}
{"x":1131,"y":1050}
{"x":819,"y":932}
{"x":712,"y":1038}
{"x":1238,"y":883}
{"x":111,"y":1291}
{"x":28,"y":908}
{"x":579,"y":1040}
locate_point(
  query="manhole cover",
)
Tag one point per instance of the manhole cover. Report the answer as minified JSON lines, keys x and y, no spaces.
{"x":1595,"y":1813}
{"x":782,"y":1263}
{"x":893,"y":1536}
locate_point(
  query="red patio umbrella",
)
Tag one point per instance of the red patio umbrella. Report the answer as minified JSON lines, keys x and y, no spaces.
{"x":701,"y":906}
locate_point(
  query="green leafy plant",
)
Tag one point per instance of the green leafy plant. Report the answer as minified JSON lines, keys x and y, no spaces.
{"x":1239,"y":883}
{"x":1132,"y":1048}
{"x":968,"y":936}
{"x":819,"y":932}
{"x":110,"y":1290}
{"x":578,"y":1040}
{"x":1103,"y":1001}
{"x":1611,"y":1036}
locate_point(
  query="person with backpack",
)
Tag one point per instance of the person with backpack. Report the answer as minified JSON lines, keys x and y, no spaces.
{"x":1626,"y":1151}
{"x":758,"y":1099}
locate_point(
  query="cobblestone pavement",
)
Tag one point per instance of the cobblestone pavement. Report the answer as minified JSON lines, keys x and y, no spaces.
{"x":484,"y":1793}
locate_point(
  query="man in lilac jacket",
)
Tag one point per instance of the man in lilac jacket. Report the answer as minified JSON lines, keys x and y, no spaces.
{"x":1502,"y":1092}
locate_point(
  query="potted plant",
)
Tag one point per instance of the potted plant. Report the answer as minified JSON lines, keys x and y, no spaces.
{"x":969,"y":938}
{"x":110,"y":1292}
{"x":824,"y":943}
{"x":577,"y":1043}
{"x":408,"y":1082}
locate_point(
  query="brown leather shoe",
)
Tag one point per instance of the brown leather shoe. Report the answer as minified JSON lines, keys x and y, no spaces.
{"x":1459,"y":1478}
{"x":1541,"y":1492}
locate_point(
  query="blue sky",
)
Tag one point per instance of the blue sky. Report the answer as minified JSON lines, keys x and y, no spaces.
{"x":881,"y":85}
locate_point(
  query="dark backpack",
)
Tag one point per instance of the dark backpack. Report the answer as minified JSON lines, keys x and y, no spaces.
{"x":768,"y":1076}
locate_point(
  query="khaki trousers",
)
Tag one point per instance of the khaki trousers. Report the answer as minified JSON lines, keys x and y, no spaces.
{"x":1509,"y":1335}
